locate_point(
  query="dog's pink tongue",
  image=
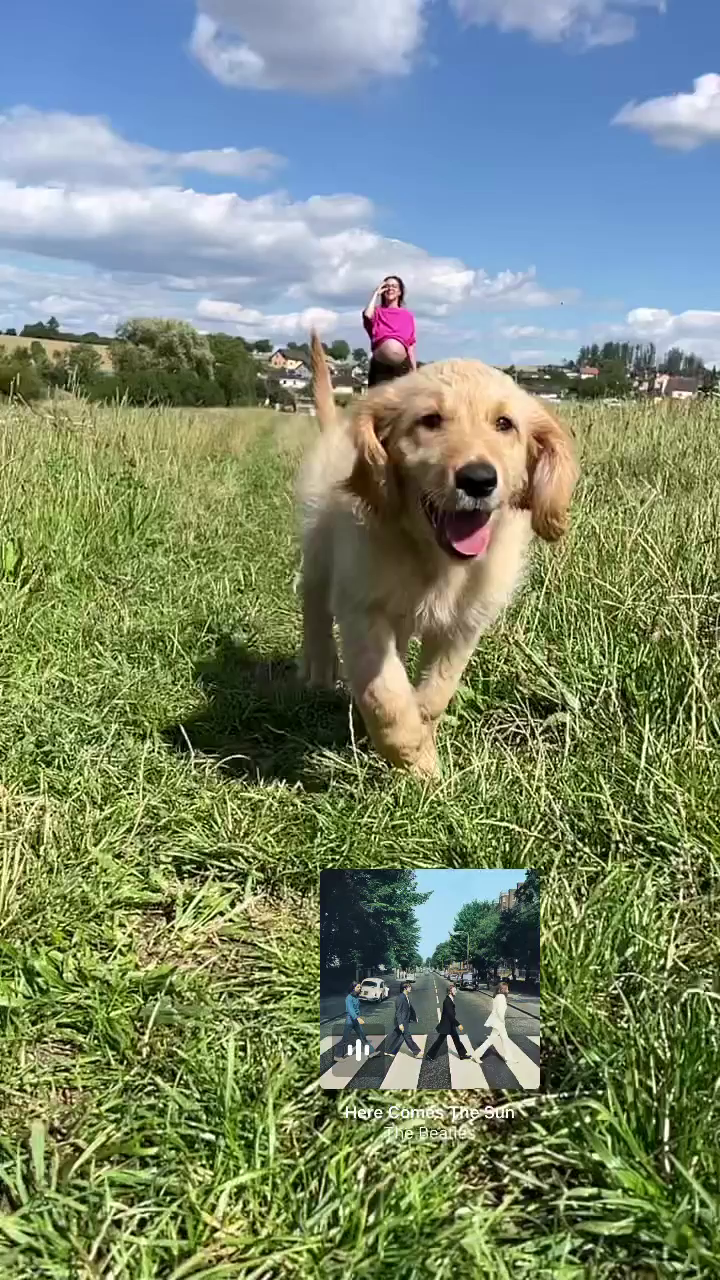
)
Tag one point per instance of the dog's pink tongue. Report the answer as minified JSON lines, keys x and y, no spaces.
{"x":468,"y":532}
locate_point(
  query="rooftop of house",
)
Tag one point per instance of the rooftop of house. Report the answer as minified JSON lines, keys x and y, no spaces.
{"x":291,"y":353}
{"x":677,"y":383}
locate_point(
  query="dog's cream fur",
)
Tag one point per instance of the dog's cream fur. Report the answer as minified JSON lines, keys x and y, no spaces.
{"x":371,"y":559}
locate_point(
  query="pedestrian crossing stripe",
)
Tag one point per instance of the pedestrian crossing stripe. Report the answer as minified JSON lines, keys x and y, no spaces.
{"x":404,"y":1070}
{"x":340,"y":1073}
{"x":463,"y":1073}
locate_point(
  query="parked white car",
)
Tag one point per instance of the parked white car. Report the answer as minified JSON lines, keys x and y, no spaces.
{"x":374,"y":989}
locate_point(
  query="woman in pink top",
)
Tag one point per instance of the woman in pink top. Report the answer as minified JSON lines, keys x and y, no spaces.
{"x":391,"y":328}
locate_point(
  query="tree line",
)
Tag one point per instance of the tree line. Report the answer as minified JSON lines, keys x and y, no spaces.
{"x":496,"y":937}
{"x":161,"y":361}
{"x":153,"y":361}
{"x":367,"y":919}
{"x":621,"y":367}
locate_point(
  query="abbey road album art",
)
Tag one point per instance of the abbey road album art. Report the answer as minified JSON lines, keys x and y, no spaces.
{"x":430,"y":979}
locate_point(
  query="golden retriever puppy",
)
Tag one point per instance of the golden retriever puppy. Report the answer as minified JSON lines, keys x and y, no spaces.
{"x":417,"y":517}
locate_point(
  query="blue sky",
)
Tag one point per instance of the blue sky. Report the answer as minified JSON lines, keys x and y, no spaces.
{"x":542,"y":172}
{"x":450,"y":891}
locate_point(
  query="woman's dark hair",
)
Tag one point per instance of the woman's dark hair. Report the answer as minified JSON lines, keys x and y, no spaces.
{"x":353,"y":985}
{"x":401,"y":285}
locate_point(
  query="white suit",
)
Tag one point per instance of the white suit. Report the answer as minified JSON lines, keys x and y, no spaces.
{"x":498,"y":1039}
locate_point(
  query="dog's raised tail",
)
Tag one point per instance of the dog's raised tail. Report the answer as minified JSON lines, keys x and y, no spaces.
{"x":322,"y":386}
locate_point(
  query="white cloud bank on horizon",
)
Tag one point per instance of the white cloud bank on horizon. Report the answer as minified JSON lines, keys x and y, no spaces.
{"x":681,"y":121}
{"x":103,"y":206}
{"x":696,"y":331}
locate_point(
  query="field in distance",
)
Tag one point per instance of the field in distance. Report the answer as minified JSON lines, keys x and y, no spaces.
{"x":8,"y":343}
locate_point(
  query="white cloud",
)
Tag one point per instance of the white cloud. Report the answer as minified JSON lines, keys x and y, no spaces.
{"x":592,"y":22}
{"x":59,"y":148}
{"x":74,"y":191}
{"x":255,"y":323}
{"x":313,"y":45}
{"x":534,"y":331}
{"x":683,"y":121}
{"x":527,"y":356}
{"x":697,"y":331}
{"x":311,"y":252}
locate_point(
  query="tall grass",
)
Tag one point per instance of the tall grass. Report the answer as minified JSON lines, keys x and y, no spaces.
{"x":168,"y":796}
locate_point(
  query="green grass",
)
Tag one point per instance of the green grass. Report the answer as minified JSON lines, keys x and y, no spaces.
{"x":168,"y":797}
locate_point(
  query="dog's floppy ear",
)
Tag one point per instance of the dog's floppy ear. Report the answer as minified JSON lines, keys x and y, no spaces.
{"x":553,"y":474}
{"x":371,"y":479}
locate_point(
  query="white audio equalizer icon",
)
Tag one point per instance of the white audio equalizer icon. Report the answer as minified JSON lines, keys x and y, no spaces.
{"x":358,"y":1050}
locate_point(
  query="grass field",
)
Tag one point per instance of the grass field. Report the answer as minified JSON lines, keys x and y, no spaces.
{"x":8,"y":344}
{"x":168,"y":797}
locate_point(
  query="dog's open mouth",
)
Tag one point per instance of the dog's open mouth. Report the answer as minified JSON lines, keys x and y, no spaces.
{"x":465,"y":534}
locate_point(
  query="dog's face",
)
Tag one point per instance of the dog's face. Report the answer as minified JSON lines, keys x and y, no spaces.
{"x":447,"y":448}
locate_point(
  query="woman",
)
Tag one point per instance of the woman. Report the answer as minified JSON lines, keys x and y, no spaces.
{"x":353,"y":1022}
{"x":391,"y":329}
{"x":498,"y":1039}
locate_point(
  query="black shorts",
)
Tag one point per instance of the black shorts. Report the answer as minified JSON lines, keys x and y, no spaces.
{"x":381,"y":371}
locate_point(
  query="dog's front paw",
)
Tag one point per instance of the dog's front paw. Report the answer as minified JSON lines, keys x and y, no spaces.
{"x":319,"y":675}
{"x":426,"y":765}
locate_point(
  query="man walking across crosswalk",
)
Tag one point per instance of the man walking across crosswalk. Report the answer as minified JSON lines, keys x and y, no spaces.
{"x":353,"y":1023}
{"x":498,"y":1038}
{"x":449,"y":1026}
{"x":404,"y":1015}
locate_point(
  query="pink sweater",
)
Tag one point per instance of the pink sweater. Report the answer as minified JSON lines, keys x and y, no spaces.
{"x":391,"y":322}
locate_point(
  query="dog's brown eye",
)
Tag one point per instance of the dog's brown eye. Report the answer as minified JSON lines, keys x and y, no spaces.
{"x":505,"y":424}
{"x":431,"y":420}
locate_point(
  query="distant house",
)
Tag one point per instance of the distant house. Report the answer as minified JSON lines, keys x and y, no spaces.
{"x":587,"y":371}
{"x":294,"y":379}
{"x":676,"y":388}
{"x":342,"y":384}
{"x":289,"y":358}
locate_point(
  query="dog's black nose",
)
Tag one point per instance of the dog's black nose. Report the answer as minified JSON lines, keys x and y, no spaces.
{"x":477,"y":479}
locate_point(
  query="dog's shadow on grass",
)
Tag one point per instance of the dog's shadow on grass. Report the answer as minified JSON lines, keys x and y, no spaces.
{"x":260,"y":722}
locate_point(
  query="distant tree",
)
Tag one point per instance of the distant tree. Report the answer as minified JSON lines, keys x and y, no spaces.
{"x":673,"y":361}
{"x":21,"y":355}
{"x":39,"y":354}
{"x":158,"y":387}
{"x":234,"y":369}
{"x":57,"y":372}
{"x":340,"y":349}
{"x":369,"y":918}
{"x":83,"y":364}
{"x":172,"y":346}
{"x":360,"y":355}
{"x":19,"y":377}
{"x":264,"y":345}
{"x":12,"y":333}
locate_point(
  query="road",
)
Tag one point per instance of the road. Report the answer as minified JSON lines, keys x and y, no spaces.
{"x":446,"y":1071}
